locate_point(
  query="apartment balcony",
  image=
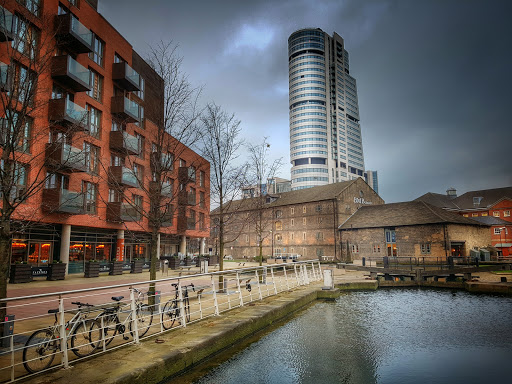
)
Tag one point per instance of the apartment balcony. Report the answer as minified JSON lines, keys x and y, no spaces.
{"x":72,"y":34}
{"x":57,"y":200}
{"x":124,"y":142}
{"x":64,"y":157}
{"x":165,"y":190}
{"x":68,"y":114}
{"x":6,"y":33}
{"x":186,"y":198}
{"x":70,"y":73}
{"x":122,"y":176}
{"x":166,"y":162}
{"x":185,"y":175}
{"x":167,"y":219}
{"x":5,"y":81}
{"x":126,"y":77}
{"x":122,"y":212}
{"x":125,"y":109}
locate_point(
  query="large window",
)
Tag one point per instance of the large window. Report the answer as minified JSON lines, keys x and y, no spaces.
{"x":191,"y":220}
{"x":94,"y":121}
{"x":26,"y":37}
{"x":24,"y":84}
{"x":391,"y":242}
{"x":32,"y":5}
{"x":96,"y":91}
{"x":15,"y":131}
{"x":98,"y":47}
{"x":90,"y":192}
{"x":140,"y":145}
{"x":92,"y":157}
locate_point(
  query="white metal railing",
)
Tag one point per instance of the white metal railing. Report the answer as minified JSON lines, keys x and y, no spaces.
{"x":94,"y":320}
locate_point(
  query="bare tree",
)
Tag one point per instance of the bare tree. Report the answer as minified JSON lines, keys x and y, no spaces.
{"x":220,"y":144}
{"x":261,"y":170}
{"x":30,"y":164}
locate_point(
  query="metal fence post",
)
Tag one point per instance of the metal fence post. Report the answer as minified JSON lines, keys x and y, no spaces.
{"x":239,"y":290}
{"x":63,"y":334}
{"x":200,"y":306}
{"x":306,"y":273}
{"x":11,"y":348}
{"x":182,"y":307}
{"x":135,"y":324}
{"x":320,"y":271}
{"x":103,"y":341}
{"x":215,"y":302}
{"x":313,"y":272}
{"x":273,"y":280}
{"x":286,"y":278}
{"x":225,"y":281}
{"x":258,"y":282}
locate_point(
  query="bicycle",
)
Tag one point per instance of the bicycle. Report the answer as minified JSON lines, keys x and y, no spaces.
{"x":42,"y":346}
{"x":171,"y":310}
{"x":112,"y":325}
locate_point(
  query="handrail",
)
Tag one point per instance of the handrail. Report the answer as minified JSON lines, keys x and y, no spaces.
{"x":148,"y":281}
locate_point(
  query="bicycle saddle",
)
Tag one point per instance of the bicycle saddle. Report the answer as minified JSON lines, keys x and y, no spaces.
{"x":53,"y":311}
{"x":117,"y":298}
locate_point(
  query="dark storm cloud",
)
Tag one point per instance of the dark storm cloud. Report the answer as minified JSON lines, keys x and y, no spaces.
{"x":433,"y":77}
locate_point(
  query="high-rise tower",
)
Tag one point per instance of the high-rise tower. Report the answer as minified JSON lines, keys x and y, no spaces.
{"x":325,"y":135}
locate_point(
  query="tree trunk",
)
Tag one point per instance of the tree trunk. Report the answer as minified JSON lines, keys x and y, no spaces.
{"x":152,"y":266}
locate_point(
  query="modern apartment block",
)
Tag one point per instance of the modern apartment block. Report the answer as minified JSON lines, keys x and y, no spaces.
{"x":372,"y":179}
{"x":93,"y":139}
{"x":325,"y":134}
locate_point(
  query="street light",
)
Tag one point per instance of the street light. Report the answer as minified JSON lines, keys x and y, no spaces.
{"x":501,"y":240}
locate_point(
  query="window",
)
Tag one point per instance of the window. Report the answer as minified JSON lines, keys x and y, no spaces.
{"x":320,"y":236}
{"x":292,"y":222}
{"x":355,"y":248}
{"x":279,"y":226}
{"x":319,"y":220}
{"x":191,"y":220}
{"x":32,"y":5}
{"x":137,"y":202}
{"x":116,"y":161}
{"x":292,"y":210}
{"x":496,"y":213}
{"x":51,"y":181}
{"x":303,"y":221}
{"x":140,"y":123}
{"x":89,"y":190}
{"x":114,"y":196}
{"x":140,"y":145}
{"x":92,"y":157}
{"x":94,"y":121}
{"x":291,"y":236}
{"x":465,"y":215}
{"x":425,"y":248}
{"x":192,"y":196}
{"x":279,"y":213}
{"x":96,"y":82}
{"x":318,"y":208}
{"x":202,"y":203}
{"x":319,"y":252}
{"x":506,"y":214}
{"x":303,"y":235}
{"x":476,"y":215}
{"x":192,"y":173}
{"x":304,"y":209}
{"x":15,"y":132}
{"x":497,"y":231}
{"x":201,"y":179}
{"x":26,"y":37}
{"x":246,"y":238}
{"x":183,"y":163}
{"x":98,"y":50}
{"x":140,"y":93}
{"x":138,"y":170}
{"x":201,"y":221}
{"x":484,"y":213}
{"x":25,"y":80}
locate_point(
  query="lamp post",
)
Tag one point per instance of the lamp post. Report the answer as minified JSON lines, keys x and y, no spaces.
{"x":501,"y":240}
{"x":272,"y":251}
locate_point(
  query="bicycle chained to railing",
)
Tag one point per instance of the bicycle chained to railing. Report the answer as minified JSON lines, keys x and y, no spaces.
{"x":84,"y":334}
{"x":171,"y":310}
{"x":111,"y":324}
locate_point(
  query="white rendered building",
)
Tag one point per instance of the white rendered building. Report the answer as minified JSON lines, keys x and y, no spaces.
{"x":325,"y":135}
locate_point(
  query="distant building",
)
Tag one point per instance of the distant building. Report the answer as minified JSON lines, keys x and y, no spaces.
{"x":278,"y":185}
{"x":325,"y":134}
{"x":413,"y":229}
{"x":301,"y":222}
{"x":371,"y":178}
{"x":481,"y":205}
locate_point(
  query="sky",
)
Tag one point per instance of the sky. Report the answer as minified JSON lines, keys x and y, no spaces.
{"x":434,"y":77}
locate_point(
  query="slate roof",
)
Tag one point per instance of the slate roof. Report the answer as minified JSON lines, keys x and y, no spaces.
{"x":465,"y":201}
{"x":401,"y":214}
{"x":307,"y":195}
{"x":491,"y":220}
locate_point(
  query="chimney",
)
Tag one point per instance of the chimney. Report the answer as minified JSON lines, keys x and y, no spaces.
{"x":451,"y":193}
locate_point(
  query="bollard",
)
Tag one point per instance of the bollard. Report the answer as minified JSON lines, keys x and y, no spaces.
{"x":328,"y":280}
{"x":364,"y":261}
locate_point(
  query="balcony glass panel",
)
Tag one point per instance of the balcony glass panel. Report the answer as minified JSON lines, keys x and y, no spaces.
{"x":70,"y":201}
{"x":5,"y":19}
{"x":79,"y":71}
{"x":72,"y":156}
{"x":76,"y":112}
{"x":80,"y":30}
{"x":131,"y":107}
{"x":129,"y":177}
{"x":131,"y":142}
{"x":132,"y":75}
{"x":129,"y":213}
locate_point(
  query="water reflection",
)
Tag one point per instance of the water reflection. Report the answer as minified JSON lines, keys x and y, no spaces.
{"x":388,"y":336}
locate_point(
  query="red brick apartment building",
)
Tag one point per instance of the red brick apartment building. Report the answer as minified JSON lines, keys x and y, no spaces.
{"x":489,"y":206}
{"x":94,"y":142}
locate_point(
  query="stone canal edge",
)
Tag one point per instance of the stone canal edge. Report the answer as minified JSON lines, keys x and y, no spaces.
{"x":184,"y":348}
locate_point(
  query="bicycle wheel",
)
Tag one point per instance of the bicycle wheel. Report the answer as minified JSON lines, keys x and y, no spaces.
{"x":40,"y":350}
{"x":186,"y":305}
{"x":110,"y":326}
{"x":144,"y":315}
{"x":170,"y":313}
{"x":86,"y":337}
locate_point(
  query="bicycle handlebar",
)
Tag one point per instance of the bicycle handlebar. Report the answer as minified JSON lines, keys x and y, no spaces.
{"x":82,"y":304}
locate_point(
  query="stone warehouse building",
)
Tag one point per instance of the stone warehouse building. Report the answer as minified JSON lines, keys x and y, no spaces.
{"x":86,"y":162}
{"x":301,"y":222}
{"x":414,"y":229}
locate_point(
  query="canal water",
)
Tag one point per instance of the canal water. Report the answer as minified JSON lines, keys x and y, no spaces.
{"x":387,"y":336}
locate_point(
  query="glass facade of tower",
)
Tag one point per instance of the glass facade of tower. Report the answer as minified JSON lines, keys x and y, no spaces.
{"x":325,"y":135}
